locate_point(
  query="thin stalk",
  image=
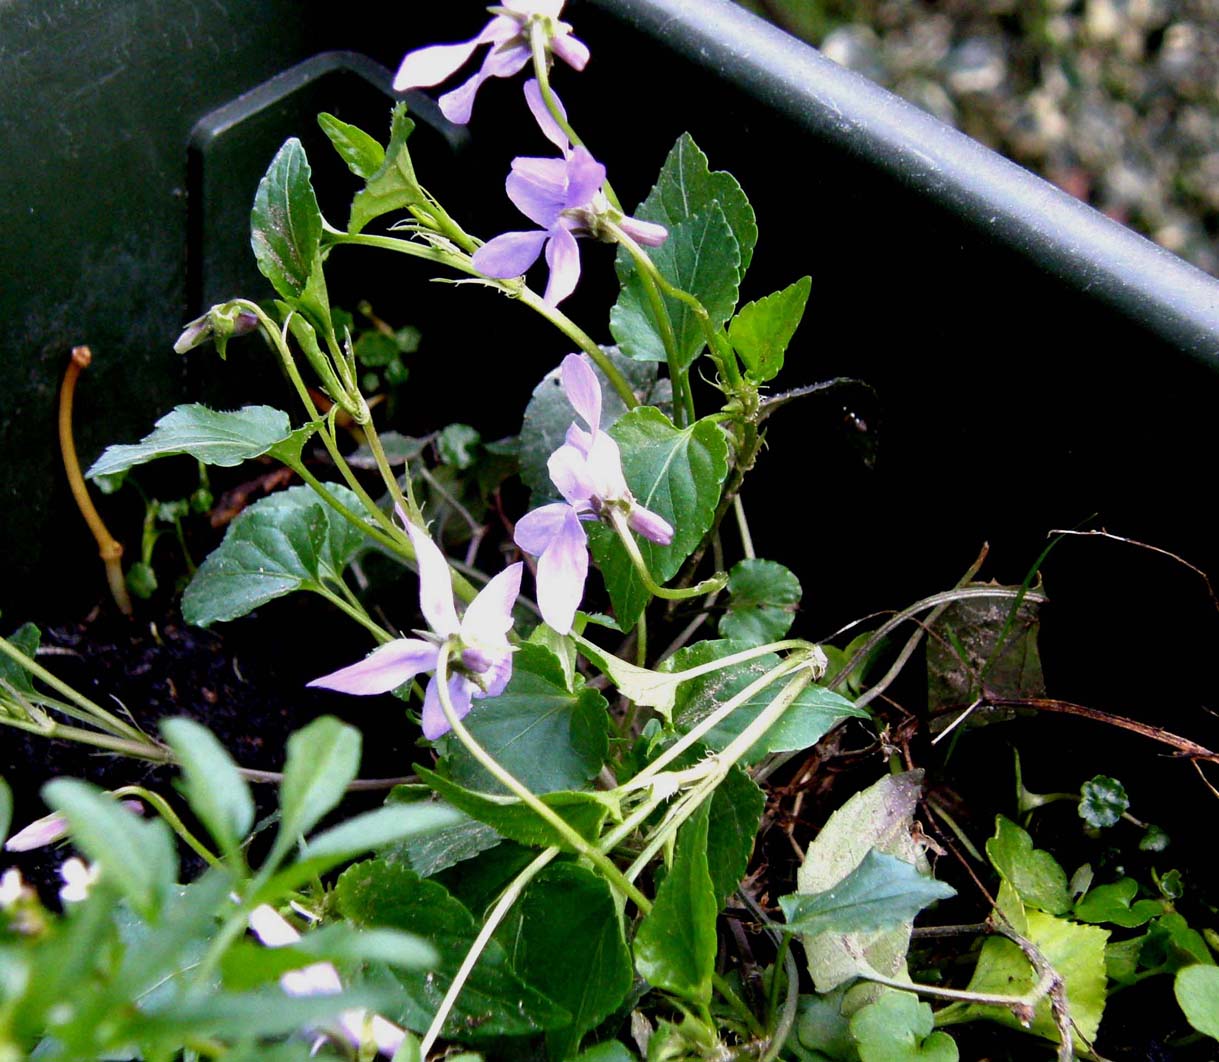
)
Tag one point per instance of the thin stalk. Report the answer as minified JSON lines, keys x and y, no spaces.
{"x":141,"y":750}
{"x":407,"y":501}
{"x":357,"y":613}
{"x":507,"y":898}
{"x":108,"y":548}
{"x":791,"y":1004}
{"x":743,"y":527}
{"x":509,"y":781}
{"x":402,"y":547}
{"x":641,"y":639}
{"x":162,"y":808}
{"x":98,"y":714}
{"x":627,"y":538}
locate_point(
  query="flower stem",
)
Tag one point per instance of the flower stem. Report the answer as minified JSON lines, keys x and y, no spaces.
{"x":356,"y":611}
{"x":627,"y":537}
{"x":110,"y":550}
{"x":162,"y":808}
{"x":527,"y":797}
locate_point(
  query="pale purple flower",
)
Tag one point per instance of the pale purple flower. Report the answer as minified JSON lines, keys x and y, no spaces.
{"x":587,"y":470}
{"x":508,"y":35}
{"x":483,"y":663}
{"x":322,"y":979}
{"x":51,"y":828}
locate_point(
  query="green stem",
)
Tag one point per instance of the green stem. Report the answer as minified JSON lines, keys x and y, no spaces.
{"x":388,"y":476}
{"x":356,"y":612}
{"x":162,"y":808}
{"x":728,"y":994}
{"x":509,"y":781}
{"x":509,"y":896}
{"x":144,"y":749}
{"x":743,"y":527}
{"x":96,"y":712}
{"x":791,"y":1004}
{"x":401,"y":546}
{"x":627,"y":537}
{"x":641,"y":639}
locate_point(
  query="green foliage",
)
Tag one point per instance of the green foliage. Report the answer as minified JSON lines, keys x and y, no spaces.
{"x":363,"y":155}
{"x":436,"y":850}
{"x":898,"y":1028}
{"x":286,"y":542}
{"x":1102,"y":802}
{"x":547,"y":735}
{"x":736,"y":812}
{"x":675,"y":472}
{"x":221,"y":439}
{"x":1113,"y":904}
{"x":217,"y":793}
{"x":1197,"y":991}
{"x":458,"y":445}
{"x":675,"y":943}
{"x":393,"y":185}
{"x":286,"y":223}
{"x":764,"y":597}
{"x":761,"y":331}
{"x":6,"y":809}
{"x":13,"y":677}
{"x":1033,"y":873}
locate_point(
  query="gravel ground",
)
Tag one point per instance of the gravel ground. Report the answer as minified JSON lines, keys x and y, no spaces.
{"x":1116,"y":101}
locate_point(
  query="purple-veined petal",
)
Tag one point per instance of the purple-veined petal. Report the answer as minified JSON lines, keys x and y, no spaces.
{"x":489,"y":617}
{"x":562,"y":569}
{"x":651,"y":526}
{"x":435,"y":722}
{"x":551,"y":129}
{"x":496,"y":677}
{"x":583,"y":389}
{"x":538,"y":189}
{"x":647,"y":233}
{"x":384,"y":669}
{"x":585,"y":176}
{"x":570,"y":473}
{"x":435,"y":584}
{"x":563,"y":257}
{"x":604,"y":464}
{"x":578,"y":439}
{"x":510,"y":254}
{"x":537,"y":529}
{"x":573,"y":51}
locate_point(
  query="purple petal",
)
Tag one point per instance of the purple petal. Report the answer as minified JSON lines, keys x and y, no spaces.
{"x":458,"y":105}
{"x":645,"y":232}
{"x":604,"y":468}
{"x":585,"y":176}
{"x":551,"y":129}
{"x":582,"y":388}
{"x":570,"y":473}
{"x":384,"y":669}
{"x":538,"y":189}
{"x":425,"y":67}
{"x":653,"y":527}
{"x":563,"y":257}
{"x":435,"y":722}
{"x":573,"y":51}
{"x":509,"y":255}
{"x":578,"y":439}
{"x":537,"y":529}
{"x":496,"y":677}
{"x":435,"y":584}
{"x":562,"y":569}
{"x":489,"y":617}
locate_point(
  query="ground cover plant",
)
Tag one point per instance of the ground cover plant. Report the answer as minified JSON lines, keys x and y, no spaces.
{"x":603,"y":848}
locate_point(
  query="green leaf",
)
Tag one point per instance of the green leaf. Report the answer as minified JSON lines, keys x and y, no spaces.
{"x":568,"y":943}
{"x":285,"y":542}
{"x":675,"y":945}
{"x":136,"y":857}
{"x":363,"y":154}
{"x":393,"y":186}
{"x":761,"y":330}
{"x":879,"y":817}
{"x":805,"y":722}
{"x":687,"y":186}
{"x":1076,"y":952}
{"x":677,"y":473}
{"x":881,"y":892}
{"x":700,"y":257}
{"x":764,"y":597}
{"x":494,"y":1002}
{"x":436,"y":850}
{"x":6,"y":810}
{"x":898,"y":1028}
{"x":1197,"y":991}
{"x":607,"y":1051}
{"x":648,"y":689}
{"x":736,"y":812}
{"x":286,"y":224}
{"x":214,"y":788}
{"x":546,"y":735}
{"x":323,"y":759}
{"x":1103,"y":801}
{"x":1033,"y":873}
{"x":215,"y":438}
{"x":458,"y":445}
{"x":584,"y":812}
{"x":549,"y":414}
{"x":26,"y":639}
{"x":1171,"y":944}
{"x":1112,"y":903}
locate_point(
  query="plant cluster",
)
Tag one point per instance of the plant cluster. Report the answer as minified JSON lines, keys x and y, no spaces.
{"x":553,"y":879}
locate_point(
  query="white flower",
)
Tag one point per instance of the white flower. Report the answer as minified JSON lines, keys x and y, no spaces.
{"x":78,"y":879}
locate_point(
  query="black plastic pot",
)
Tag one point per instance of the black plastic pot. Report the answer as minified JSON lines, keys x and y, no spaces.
{"x":1032,"y":365}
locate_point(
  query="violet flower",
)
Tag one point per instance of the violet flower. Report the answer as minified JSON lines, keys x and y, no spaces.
{"x":508,"y":34}
{"x":587,"y":469}
{"x":483,"y":663}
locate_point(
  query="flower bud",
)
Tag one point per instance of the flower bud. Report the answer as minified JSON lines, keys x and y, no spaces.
{"x":652,"y":527}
